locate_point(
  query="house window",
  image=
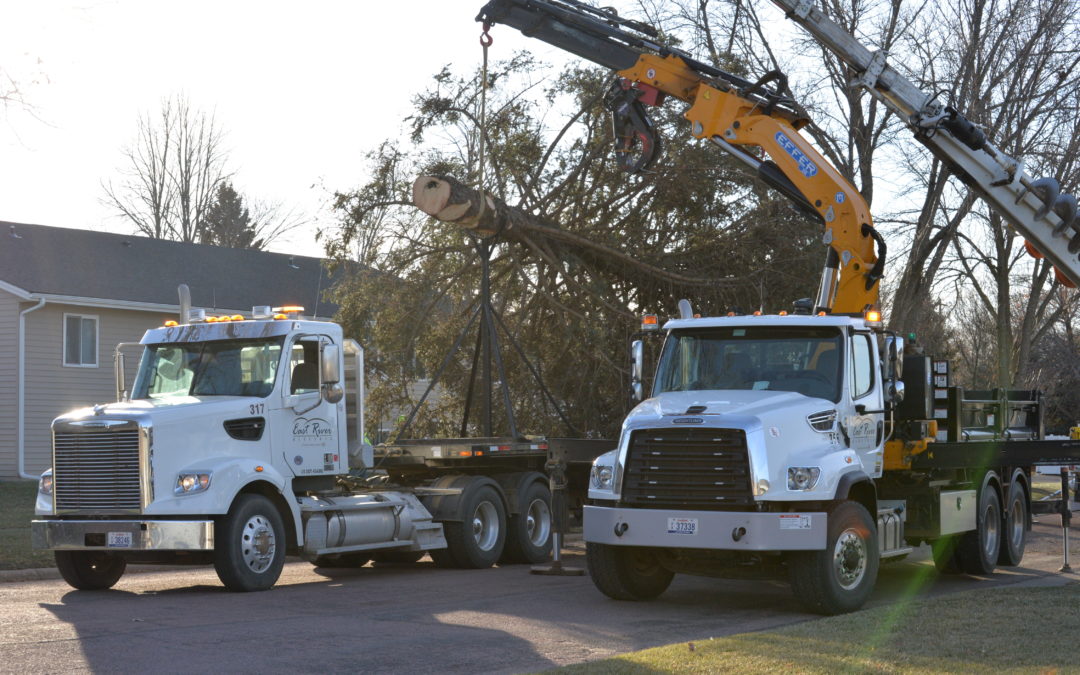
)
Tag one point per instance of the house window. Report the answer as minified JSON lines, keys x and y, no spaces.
{"x":80,"y":340}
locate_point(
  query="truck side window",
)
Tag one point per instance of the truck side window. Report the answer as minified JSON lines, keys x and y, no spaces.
{"x":304,"y":366}
{"x":862,"y":365}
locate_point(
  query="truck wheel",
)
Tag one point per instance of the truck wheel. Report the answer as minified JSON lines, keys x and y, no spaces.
{"x":529,"y":537}
{"x":249,"y":548}
{"x":477,"y":541}
{"x":978,"y":549}
{"x":943,"y":551}
{"x":341,"y":560}
{"x":90,"y":570}
{"x":627,"y":572}
{"x":838,"y":579}
{"x":1014,"y":527}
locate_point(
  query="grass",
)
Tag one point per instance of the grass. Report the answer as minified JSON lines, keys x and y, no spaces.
{"x":16,"y":512}
{"x":1009,"y":630}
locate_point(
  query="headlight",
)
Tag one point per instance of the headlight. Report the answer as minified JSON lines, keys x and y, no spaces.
{"x":45,"y":483}
{"x":603,"y":476}
{"x":802,"y":478}
{"x":190,"y":483}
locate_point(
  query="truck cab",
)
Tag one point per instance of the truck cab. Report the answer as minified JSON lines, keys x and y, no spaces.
{"x":229,"y":423}
{"x":756,"y":429}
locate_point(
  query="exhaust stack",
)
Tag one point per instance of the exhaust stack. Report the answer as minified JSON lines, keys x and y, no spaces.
{"x":185,"y":303}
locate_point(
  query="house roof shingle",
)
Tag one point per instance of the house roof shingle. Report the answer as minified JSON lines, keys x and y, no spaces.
{"x":56,"y":261}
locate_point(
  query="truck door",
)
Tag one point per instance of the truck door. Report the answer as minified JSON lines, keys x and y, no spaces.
{"x":866,"y":421}
{"x":306,"y":433}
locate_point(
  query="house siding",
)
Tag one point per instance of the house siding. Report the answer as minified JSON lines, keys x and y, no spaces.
{"x":9,"y":371}
{"x":53,"y":388}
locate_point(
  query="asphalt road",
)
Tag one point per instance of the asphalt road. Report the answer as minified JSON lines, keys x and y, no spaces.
{"x":411,"y":618}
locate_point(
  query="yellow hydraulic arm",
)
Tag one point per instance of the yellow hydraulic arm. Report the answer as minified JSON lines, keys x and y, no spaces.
{"x":737,"y":115}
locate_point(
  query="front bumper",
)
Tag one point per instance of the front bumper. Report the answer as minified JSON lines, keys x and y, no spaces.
{"x":123,"y":535}
{"x":720,"y":530}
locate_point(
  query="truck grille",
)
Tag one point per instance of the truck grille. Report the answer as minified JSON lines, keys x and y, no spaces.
{"x":97,"y":471}
{"x":702,"y":469}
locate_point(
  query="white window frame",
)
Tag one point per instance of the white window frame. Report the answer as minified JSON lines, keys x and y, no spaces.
{"x":97,"y":340}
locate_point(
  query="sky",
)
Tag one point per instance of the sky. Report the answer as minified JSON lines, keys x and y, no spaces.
{"x":302,"y":91}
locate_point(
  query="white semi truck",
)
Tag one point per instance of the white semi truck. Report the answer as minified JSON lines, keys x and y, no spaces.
{"x":242,"y":439}
{"x":783,"y":446}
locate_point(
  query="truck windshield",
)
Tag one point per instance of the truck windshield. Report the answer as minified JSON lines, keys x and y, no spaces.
{"x":219,"y":368}
{"x":802,"y":359}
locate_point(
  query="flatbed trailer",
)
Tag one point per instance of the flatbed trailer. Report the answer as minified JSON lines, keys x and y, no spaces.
{"x":567,"y":460}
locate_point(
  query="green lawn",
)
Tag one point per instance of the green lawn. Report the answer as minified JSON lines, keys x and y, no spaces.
{"x":1003,"y":630}
{"x":16,"y":512}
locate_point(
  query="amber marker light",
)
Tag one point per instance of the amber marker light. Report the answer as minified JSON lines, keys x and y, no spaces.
{"x":757,"y":312}
{"x":873,"y":316}
{"x":280,"y":317}
{"x":783,"y":312}
{"x":170,"y":324}
{"x":650,"y":322}
{"x":237,"y":317}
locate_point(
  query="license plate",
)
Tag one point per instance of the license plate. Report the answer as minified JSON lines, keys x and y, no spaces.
{"x":119,"y":540}
{"x":682,"y":525}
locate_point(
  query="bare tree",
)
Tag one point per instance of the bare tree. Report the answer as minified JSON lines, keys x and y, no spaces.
{"x":1011,"y":67}
{"x":172,"y":173}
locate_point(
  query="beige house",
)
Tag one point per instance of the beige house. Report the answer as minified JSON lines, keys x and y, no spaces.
{"x":68,"y":297}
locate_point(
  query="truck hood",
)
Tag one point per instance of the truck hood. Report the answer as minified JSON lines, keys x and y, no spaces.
{"x":165,"y":409}
{"x":734,"y":403}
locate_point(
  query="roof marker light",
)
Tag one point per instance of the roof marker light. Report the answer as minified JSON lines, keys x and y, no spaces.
{"x":873,"y":316}
{"x":237,"y":317}
{"x":650,"y":322}
{"x":783,"y":312}
{"x":757,"y":312}
{"x":170,"y":323}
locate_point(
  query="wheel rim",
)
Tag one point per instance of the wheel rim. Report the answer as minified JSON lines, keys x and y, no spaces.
{"x":1016,"y":523}
{"x":258,"y":543}
{"x":538,"y":522}
{"x":991,"y":531}
{"x":485,"y":526}
{"x":849,"y":559}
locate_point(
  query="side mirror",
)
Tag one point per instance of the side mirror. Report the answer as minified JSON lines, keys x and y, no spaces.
{"x":333,"y":393}
{"x":637,"y":369}
{"x":331,"y":364}
{"x":896,"y":392}
{"x":894,"y":354}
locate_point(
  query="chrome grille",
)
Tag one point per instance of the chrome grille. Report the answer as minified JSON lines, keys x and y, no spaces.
{"x":97,"y":470}
{"x":704,"y":469}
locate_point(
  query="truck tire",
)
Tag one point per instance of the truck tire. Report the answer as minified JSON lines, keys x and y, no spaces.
{"x":90,"y":570}
{"x":840,"y":578}
{"x":341,"y":560}
{"x":477,"y":540}
{"x":528,"y":539}
{"x":627,"y":572}
{"x":978,"y":549}
{"x":249,"y":548}
{"x":1014,"y":524}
